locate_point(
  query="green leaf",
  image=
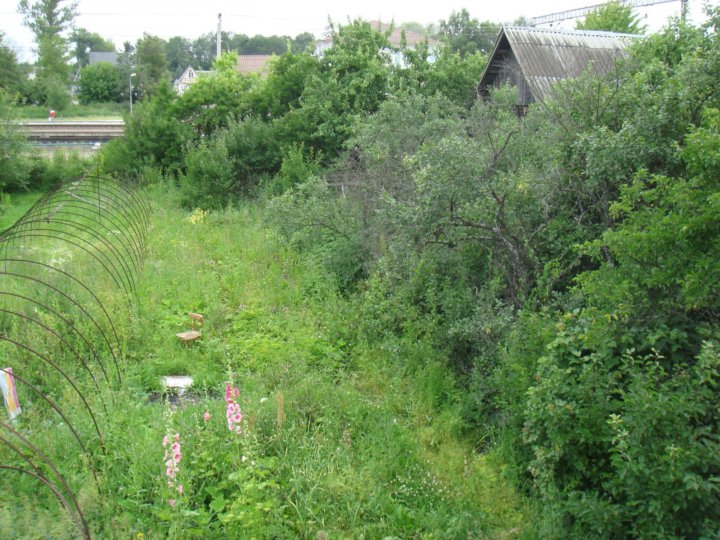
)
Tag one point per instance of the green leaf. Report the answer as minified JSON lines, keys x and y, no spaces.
{"x":218,"y":504}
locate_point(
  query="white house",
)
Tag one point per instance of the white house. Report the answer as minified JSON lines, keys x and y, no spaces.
{"x":188,"y":77}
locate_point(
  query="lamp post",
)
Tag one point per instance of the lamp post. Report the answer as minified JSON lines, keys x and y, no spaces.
{"x":131,"y":76}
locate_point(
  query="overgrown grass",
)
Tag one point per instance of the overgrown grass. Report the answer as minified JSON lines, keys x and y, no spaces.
{"x":14,"y":206}
{"x":93,"y":111}
{"x":340,"y":439}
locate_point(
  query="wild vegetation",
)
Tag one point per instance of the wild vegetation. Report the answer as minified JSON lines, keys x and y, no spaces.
{"x":442,"y":319}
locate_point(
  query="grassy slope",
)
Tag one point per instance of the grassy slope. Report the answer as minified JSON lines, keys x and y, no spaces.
{"x":336,"y":440}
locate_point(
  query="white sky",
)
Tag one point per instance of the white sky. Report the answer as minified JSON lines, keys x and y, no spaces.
{"x":126,"y":20}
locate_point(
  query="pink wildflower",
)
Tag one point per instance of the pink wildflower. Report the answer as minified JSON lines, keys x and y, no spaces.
{"x":180,"y":489}
{"x":172,"y":503}
{"x":233,"y":413}
{"x":206,"y":416}
{"x":177,"y":437}
{"x":166,"y":440}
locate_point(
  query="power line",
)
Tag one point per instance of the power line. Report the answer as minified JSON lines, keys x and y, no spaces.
{"x":580,"y":12}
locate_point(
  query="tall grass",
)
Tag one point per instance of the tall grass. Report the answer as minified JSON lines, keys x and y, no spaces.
{"x":339,"y":439}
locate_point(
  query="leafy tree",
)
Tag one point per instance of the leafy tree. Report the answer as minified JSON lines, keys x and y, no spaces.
{"x":100,"y":83}
{"x":217,"y":100}
{"x":153,"y":134}
{"x":14,"y":167}
{"x":285,"y":83}
{"x":56,"y":92}
{"x":303,"y":43}
{"x":86,"y":42}
{"x":178,"y":52}
{"x":467,"y":35}
{"x":48,"y":19}
{"x":612,"y":17}
{"x":416,"y":27}
{"x":353,"y":80}
{"x":11,"y":76}
{"x":151,"y":64}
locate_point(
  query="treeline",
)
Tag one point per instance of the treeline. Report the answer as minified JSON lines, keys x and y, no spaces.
{"x":64,"y":55}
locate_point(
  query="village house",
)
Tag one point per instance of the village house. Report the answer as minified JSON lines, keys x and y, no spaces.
{"x":253,"y":63}
{"x":533,"y":59}
{"x":188,"y":77}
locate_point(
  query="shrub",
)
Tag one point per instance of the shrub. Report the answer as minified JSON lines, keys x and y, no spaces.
{"x":208,"y":182}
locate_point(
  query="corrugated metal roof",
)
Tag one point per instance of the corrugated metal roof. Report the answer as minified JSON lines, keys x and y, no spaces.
{"x":253,"y":63}
{"x":546,"y":56}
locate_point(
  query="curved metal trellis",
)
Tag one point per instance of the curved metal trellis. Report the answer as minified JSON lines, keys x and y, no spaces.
{"x":76,"y":249}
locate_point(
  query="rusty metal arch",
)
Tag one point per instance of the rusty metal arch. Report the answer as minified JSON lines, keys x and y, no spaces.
{"x":62,"y":415}
{"x":70,"y":325}
{"x":79,"y":282}
{"x":99,"y":225}
{"x":36,"y":451}
{"x":62,"y":373}
{"x":42,"y":211}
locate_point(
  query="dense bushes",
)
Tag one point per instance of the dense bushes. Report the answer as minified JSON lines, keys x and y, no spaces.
{"x":564,"y":264}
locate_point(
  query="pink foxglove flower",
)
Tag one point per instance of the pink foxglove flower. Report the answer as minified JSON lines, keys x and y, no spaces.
{"x":233,"y":413}
{"x":172,"y":460}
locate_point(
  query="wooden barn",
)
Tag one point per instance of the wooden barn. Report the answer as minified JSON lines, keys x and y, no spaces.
{"x":532,"y":59}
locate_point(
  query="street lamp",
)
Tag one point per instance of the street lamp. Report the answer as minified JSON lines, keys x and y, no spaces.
{"x":131,"y":76}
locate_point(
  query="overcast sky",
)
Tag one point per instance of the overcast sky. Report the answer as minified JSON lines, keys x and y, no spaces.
{"x":127,"y":20}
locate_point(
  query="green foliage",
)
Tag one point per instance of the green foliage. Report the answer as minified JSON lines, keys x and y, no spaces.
{"x":612,"y":17}
{"x":229,"y":165}
{"x":151,"y":64}
{"x":153,"y":134}
{"x":11,"y":76}
{"x":216,"y":100}
{"x":86,"y":42}
{"x":298,"y":165}
{"x":285,"y":83}
{"x":178,"y":51}
{"x":48,"y":19}
{"x":353,"y":82}
{"x":465,"y":35}
{"x":100,"y":83}
{"x":208,"y":182}
{"x":14,"y":167}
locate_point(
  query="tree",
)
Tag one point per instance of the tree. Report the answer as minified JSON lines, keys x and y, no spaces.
{"x":85,"y":42}
{"x":303,"y":42}
{"x":468,"y":35}
{"x":14,"y":168}
{"x":151,"y":63}
{"x":178,"y":52}
{"x":48,"y":19}
{"x":100,"y":83}
{"x":612,"y":17}
{"x":10,"y":74}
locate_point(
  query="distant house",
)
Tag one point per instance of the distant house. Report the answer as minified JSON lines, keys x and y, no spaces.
{"x":188,"y":77}
{"x":253,"y":63}
{"x":109,"y":57}
{"x":532,"y":59}
{"x":412,"y":40}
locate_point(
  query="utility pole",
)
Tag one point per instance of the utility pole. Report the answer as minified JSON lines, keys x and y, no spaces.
{"x":219,"y":36}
